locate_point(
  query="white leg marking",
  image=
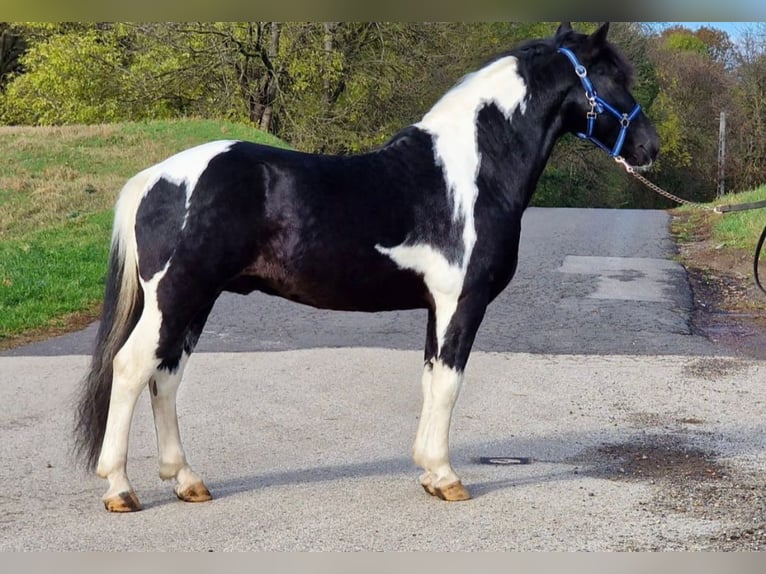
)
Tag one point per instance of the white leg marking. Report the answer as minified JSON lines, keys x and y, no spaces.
{"x":163,"y":390}
{"x":432,"y":441}
{"x":133,"y":366}
{"x":172,"y":459}
{"x":440,"y":384}
{"x":419,"y":448}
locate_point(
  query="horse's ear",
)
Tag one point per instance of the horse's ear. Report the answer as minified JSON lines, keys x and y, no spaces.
{"x":564,"y":27}
{"x":598,"y":38}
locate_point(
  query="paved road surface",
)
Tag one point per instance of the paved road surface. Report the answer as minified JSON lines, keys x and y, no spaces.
{"x":301,"y":421}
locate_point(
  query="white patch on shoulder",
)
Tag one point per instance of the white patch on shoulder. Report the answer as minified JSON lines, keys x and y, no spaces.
{"x":452,"y":124}
{"x":437,"y":272}
{"x":443,"y":280}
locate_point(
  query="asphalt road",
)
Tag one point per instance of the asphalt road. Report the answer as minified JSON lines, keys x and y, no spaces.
{"x":301,"y":421}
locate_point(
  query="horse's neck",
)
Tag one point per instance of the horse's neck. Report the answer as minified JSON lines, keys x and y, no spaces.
{"x":490,"y":117}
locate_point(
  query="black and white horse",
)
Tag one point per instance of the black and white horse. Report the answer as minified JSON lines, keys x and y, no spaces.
{"x":430,"y":220}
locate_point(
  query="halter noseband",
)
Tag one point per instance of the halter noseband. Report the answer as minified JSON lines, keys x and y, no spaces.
{"x":599,"y":106}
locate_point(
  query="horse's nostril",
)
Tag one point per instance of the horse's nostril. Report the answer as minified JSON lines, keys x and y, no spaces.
{"x":650,"y":151}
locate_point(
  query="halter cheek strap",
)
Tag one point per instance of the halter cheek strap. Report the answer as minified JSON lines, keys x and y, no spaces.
{"x":598,"y":106}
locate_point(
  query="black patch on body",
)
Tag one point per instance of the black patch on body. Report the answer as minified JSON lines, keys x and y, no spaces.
{"x":159,"y":221}
{"x":304,"y":227}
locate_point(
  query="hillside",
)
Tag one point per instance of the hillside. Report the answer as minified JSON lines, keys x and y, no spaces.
{"x":58,"y":186}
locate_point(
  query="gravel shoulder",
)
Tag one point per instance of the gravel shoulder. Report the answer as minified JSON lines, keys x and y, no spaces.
{"x":728,"y":308}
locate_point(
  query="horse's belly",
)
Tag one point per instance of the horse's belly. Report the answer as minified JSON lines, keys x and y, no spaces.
{"x":352,"y":286}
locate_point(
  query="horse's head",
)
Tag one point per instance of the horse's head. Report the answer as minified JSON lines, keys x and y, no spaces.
{"x":598,"y":105}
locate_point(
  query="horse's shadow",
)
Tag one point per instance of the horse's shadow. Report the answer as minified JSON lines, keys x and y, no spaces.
{"x":564,"y":458}
{"x":465,"y":461}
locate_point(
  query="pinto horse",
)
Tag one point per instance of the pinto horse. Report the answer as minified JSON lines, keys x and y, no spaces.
{"x":430,"y":220}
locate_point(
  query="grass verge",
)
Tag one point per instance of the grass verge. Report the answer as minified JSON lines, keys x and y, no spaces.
{"x":50,"y":278}
{"x":718,"y":248}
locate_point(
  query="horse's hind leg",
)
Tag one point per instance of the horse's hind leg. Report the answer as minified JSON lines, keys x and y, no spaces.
{"x":133,"y":366}
{"x":163,"y":389}
{"x":172,"y":460}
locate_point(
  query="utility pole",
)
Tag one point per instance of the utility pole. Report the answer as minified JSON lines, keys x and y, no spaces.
{"x":721,"y":154}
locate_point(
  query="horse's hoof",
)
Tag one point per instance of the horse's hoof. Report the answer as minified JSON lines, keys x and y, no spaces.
{"x":196,"y":492}
{"x":123,"y":502}
{"x":454,"y":492}
{"x":429,"y":488}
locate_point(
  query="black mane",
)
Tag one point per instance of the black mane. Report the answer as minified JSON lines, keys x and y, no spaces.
{"x":531,"y":49}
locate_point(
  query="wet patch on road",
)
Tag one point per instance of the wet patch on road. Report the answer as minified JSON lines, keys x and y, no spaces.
{"x":652,"y":458}
{"x":693,"y":483}
{"x":627,"y":278}
{"x":712,"y":368}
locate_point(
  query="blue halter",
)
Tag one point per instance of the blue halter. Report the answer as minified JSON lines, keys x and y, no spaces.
{"x":599,"y":106}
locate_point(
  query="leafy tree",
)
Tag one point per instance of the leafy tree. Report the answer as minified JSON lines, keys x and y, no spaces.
{"x":357,"y":83}
{"x":70,"y":78}
{"x":746,"y":160}
{"x":694,"y":89}
{"x":340,"y":87}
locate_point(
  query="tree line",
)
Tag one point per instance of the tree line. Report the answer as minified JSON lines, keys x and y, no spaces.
{"x":345,"y":87}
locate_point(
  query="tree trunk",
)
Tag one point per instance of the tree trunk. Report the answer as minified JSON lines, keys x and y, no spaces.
{"x":329,"y":46}
{"x":12,"y":47}
{"x":269,"y":92}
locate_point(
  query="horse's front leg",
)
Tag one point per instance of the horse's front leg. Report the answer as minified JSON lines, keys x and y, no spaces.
{"x":451,"y":338}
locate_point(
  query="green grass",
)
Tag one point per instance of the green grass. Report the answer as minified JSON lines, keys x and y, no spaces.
{"x":740,"y":229}
{"x":50,"y":274}
{"x":58,"y":187}
{"x":732,"y":230}
{"x":51,"y":174}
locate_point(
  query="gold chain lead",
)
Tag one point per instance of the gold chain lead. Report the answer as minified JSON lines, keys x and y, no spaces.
{"x":657,"y":189}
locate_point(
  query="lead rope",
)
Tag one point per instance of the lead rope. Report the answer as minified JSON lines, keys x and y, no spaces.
{"x":717,"y":209}
{"x":657,"y":189}
{"x":756,"y":259}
